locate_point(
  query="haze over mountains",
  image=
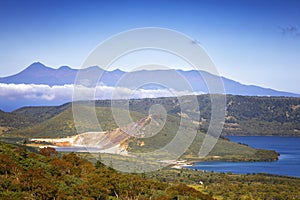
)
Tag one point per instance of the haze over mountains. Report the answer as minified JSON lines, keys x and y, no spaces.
{"x":42,"y":85}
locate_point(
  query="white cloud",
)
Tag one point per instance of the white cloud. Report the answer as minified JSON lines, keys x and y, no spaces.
{"x":35,"y":92}
{"x":65,"y":92}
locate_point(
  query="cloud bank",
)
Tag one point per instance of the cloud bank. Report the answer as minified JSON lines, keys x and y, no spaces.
{"x":65,"y":92}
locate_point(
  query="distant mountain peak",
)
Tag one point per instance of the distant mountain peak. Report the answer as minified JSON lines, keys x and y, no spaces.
{"x":37,"y":63}
{"x":37,"y":66}
{"x":92,"y":68}
{"x":65,"y":68}
{"x":117,"y":70}
{"x":39,"y":74}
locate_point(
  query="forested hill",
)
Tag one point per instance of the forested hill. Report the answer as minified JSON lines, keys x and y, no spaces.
{"x":245,"y":115}
{"x":262,"y":116}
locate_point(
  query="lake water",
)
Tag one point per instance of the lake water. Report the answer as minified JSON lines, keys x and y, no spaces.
{"x":288,"y":163}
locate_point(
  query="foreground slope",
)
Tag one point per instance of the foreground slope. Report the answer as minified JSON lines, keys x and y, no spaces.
{"x":48,"y":175}
{"x":28,"y":175}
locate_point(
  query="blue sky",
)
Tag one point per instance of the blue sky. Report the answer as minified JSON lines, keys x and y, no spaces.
{"x":252,"y":41}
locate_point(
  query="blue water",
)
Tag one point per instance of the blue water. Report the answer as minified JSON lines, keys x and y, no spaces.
{"x":288,"y":163}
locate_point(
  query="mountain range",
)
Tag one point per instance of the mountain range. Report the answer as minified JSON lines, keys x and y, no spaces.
{"x":178,"y":80}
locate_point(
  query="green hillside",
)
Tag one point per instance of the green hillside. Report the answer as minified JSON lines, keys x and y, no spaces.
{"x":40,"y":113}
{"x":62,"y":125}
{"x":245,"y":115}
{"x":12,"y":120}
{"x":28,"y":116}
{"x":263,"y":116}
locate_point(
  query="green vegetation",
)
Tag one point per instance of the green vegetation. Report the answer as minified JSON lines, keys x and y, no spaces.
{"x":24,"y":174}
{"x":246,"y":115}
{"x":28,"y":116}
{"x":230,"y":151}
{"x":50,"y":175}
{"x":62,"y":125}
{"x":223,"y":150}
{"x":232,"y":186}
{"x":263,"y":116}
{"x":27,"y":175}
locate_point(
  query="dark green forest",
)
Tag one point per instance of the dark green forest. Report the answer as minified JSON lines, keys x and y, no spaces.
{"x":245,"y":115}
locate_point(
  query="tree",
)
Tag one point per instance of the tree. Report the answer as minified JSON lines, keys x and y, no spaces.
{"x":5,"y":164}
{"x":49,"y":152}
{"x":61,"y":167}
{"x":38,"y":184}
